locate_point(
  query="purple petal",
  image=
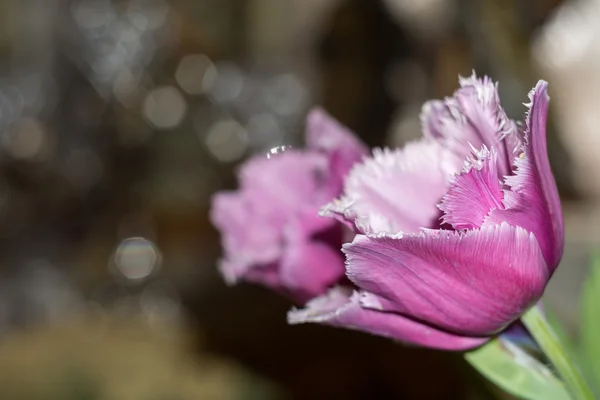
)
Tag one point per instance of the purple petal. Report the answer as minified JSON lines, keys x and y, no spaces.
{"x":472,"y":283}
{"x":472,"y":116}
{"x":341,"y":308}
{"x":396,"y":190}
{"x":474,"y":193}
{"x":343,"y":148}
{"x":532,"y":201}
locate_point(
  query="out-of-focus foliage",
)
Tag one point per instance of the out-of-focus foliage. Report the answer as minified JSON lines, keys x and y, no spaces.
{"x":517,"y":372}
{"x":590,"y":324}
{"x":111,"y":357}
{"x":525,"y":376}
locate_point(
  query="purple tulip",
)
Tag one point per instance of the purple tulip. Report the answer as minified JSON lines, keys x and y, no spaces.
{"x":457,"y":234}
{"x":271,"y":231}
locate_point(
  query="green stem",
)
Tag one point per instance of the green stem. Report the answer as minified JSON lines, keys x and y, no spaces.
{"x":546,"y":338}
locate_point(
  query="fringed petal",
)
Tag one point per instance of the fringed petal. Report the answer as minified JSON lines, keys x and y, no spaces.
{"x":471,"y":283}
{"x":473,"y":116}
{"x":396,"y":190}
{"x":473,"y":193}
{"x":532,"y":201}
{"x":341,"y":308}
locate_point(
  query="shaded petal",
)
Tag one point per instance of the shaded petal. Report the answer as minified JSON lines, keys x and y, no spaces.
{"x":264,"y":274}
{"x":396,"y":190}
{"x":341,"y":308}
{"x":325,"y":134}
{"x":519,"y":336}
{"x":472,"y":116}
{"x":310,"y":268}
{"x":343,"y":148}
{"x":532,"y":201}
{"x":305,"y":224}
{"x":473,"y":193}
{"x":472,"y":283}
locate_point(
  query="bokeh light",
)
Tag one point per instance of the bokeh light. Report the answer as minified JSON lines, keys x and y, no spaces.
{"x":137,"y":258}
{"x":226,"y":140}
{"x":196,"y":74}
{"x":165,"y":107}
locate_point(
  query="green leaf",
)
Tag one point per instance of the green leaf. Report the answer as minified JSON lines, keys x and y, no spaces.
{"x":568,"y":342}
{"x":516,"y":372}
{"x":590,"y":324}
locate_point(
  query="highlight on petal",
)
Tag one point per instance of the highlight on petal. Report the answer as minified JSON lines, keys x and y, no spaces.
{"x":473,"y":193}
{"x":473,"y":116}
{"x":341,"y":308}
{"x":396,"y":190}
{"x":471,"y":283}
{"x":532,"y":201}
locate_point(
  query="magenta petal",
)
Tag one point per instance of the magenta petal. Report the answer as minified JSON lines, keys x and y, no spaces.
{"x":532,"y":201}
{"x":396,"y":190}
{"x":341,"y":308}
{"x":474,"y":193}
{"x":472,"y":283}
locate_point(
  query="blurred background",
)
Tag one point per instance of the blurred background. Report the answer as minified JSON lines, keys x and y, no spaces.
{"x":120,"y":118}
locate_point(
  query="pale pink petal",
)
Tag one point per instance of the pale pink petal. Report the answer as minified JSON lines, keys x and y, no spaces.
{"x":285,"y":182}
{"x":473,"y":116}
{"x":252,"y":219}
{"x":341,"y":308}
{"x":471,"y":283}
{"x":277,"y":203}
{"x":396,"y":190}
{"x":244,"y":239}
{"x":473,"y":193}
{"x":532,"y":201}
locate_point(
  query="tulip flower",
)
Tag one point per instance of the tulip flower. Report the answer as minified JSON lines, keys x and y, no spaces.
{"x":457,"y":233}
{"x":271,"y":231}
